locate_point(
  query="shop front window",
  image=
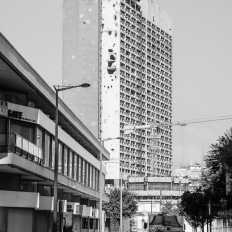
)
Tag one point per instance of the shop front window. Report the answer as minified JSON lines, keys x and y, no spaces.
{"x":84,"y":223}
{"x":91,"y":223}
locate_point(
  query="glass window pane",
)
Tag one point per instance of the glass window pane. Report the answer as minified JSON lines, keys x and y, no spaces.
{"x":70,"y":163}
{"x":53,"y":155}
{"x":87,"y":173}
{"x":80,"y":169}
{"x":60,"y":158}
{"x":90,"y":176}
{"x":39,"y":138}
{"x":97,"y":180}
{"x":94,"y":183}
{"x":75,"y":166}
{"x":47,"y":144}
{"x":84,"y":223}
{"x":2,"y":126}
{"x":83,"y":173}
{"x":25,"y":131}
{"x":65,"y":161}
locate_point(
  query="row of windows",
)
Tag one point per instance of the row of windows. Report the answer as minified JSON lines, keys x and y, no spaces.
{"x":70,"y":163}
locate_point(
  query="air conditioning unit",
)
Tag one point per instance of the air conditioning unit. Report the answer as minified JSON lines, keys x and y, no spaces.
{"x":96,"y":213}
{"x":70,"y":207}
{"x":77,"y":209}
{"x":62,"y":206}
{"x":86,"y":211}
{"x":73,"y":207}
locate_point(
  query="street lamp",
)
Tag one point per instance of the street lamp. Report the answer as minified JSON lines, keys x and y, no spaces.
{"x":127,"y":130}
{"x":59,"y":88}
{"x":100,"y":179}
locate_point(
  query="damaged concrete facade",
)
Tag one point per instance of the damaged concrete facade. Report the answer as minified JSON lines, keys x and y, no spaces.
{"x":80,"y":59}
{"x":136,"y":86}
{"x":133,"y":85}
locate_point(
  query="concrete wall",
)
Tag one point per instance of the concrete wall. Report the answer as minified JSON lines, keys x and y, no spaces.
{"x":80,"y":59}
{"x":157,"y":15}
{"x":110,"y":89}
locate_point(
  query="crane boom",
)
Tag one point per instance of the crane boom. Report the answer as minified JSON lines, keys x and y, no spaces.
{"x":186,"y":122}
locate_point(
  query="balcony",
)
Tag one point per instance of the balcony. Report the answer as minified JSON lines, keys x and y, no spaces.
{"x":19,"y":145}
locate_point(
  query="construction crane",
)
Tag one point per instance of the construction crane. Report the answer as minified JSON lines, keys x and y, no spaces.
{"x":156,"y":126}
{"x":130,"y":128}
{"x":186,"y":122}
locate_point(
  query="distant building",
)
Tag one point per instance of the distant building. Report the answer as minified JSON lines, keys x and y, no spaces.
{"x":192,"y":172}
{"x":153,"y":192}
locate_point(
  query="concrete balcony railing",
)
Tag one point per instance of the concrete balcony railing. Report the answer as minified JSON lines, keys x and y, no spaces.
{"x":21,"y":146}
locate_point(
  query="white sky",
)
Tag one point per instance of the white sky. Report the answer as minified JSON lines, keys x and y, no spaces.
{"x":202,"y":60}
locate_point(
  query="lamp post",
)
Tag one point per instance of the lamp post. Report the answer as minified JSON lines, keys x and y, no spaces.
{"x":121,"y":204}
{"x":127,"y":130}
{"x":100,"y":180}
{"x":59,"y":88}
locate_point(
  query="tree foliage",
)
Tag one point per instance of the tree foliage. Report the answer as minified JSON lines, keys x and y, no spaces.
{"x":169,"y":209}
{"x":195,"y":207}
{"x":218,"y":166}
{"x":112,"y":208}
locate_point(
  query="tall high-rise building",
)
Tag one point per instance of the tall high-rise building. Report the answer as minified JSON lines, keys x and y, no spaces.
{"x":80,"y":59}
{"x":135,"y":87}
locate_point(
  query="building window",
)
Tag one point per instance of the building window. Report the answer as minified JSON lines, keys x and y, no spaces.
{"x":91,"y":176}
{"x":71,"y":164}
{"x":84,"y":223}
{"x":94,"y":178}
{"x":2,"y":133}
{"x":83,"y":173}
{"x":97,"y":180}
{"x":65,"y":161}
{"x":26,"y":131}
{"x":47,"y":149}
{"x":60,"y":158}
{"x":51,"y":160}
{"x":87,"y":173}
{"x":75,"y":166}
{"x":39,"y":137}
{"x":80,"y":170}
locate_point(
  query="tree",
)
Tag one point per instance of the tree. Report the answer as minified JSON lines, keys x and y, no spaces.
{"x":194,"y":206}
{"x":169,"y":209}
{"x":218,"y":169}
{"x":112,"y":208}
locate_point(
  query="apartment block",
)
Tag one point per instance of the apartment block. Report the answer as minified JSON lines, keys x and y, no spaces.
{"x":137,"y":87}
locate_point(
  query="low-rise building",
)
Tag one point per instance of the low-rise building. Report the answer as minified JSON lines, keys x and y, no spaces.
{"x":27,"y":150}
{"x":153,"y":192}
